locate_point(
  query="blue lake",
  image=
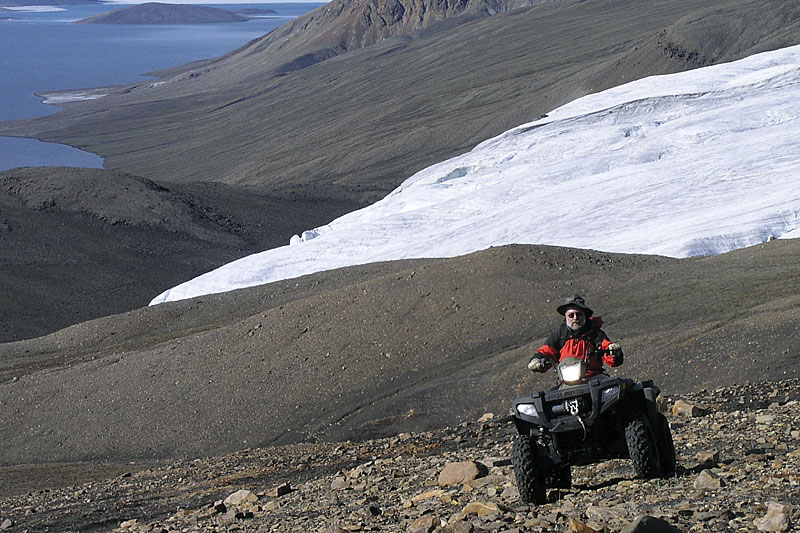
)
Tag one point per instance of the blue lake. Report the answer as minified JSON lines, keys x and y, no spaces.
{"x":44,"y":51}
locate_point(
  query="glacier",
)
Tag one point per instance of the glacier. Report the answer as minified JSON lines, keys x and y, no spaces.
{"x":696,"y":163}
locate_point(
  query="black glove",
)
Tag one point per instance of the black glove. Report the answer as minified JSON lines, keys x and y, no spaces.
{"x":538,"y":363}
{"x":615,"y":351}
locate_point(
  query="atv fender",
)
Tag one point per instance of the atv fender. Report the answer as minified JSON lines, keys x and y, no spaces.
{"x":650,"y":395}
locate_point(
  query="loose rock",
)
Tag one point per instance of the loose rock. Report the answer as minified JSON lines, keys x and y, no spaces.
{"x":684,"y":408}
{"x":424,"y":524}
{"x":461,"y":472}
{"x":777,"y":518}
{"x":708,"y":480}
{"x":240,"y":497}
{"x":650,"y":524}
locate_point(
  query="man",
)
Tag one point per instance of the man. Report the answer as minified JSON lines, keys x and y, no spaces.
{"x":578,"y":336}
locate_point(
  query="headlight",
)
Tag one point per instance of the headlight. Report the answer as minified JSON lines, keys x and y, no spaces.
{"x":571,"y":373}
{"x":609,"y":394}
{"x":527,"y":409}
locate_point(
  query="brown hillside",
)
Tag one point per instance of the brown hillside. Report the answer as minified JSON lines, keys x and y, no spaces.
{"x":320,"y":141}
{"x":384,"y":348}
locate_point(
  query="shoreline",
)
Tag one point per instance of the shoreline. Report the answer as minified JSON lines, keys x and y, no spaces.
{"x":21,"y":151}
{"x":71,"y":95}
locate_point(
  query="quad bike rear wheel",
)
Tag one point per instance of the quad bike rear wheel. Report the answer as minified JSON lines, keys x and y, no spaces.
{"x":527,"y":470}
{"x":666,"y":447}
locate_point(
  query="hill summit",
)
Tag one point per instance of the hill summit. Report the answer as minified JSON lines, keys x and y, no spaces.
{"x":159,"y":13}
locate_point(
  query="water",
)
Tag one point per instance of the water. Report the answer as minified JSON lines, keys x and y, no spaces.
{"x":44,"y":51}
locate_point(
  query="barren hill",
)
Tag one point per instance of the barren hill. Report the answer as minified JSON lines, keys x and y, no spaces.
{"x":379,"y":349}
{"x":371,"y":350}
{"x":160,"y":13}
{"x":77,"y":244}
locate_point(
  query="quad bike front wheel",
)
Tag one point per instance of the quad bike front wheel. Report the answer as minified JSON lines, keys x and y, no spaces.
{"x":530,"y":477}
{"x":642,"y":447}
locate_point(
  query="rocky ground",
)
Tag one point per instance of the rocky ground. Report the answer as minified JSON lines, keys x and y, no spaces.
{"x":738,"y":454}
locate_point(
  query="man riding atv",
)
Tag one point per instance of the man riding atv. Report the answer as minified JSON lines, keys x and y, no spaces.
{"x":578,"y":336}
{"x":588,"y":417}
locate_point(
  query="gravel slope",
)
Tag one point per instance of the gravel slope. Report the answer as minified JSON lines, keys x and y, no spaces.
{"x":737,"y":466}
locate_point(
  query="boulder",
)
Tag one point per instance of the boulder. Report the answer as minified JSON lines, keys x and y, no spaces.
{"x":650,"y":524}
{"x":280,"y":490}
{"x":576,"y":526}
{"x":461,"y":472}
{"x":480,"y":509}
{"x":776,"y":519}
{"x":240,"y":497}
{"x":424,"y":524}
{"x":708,"y":480}
{"x":684,"y":408}
{"x":707,"y":457}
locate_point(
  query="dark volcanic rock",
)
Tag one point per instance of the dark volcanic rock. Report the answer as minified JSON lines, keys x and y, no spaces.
{"x":158,"y":13}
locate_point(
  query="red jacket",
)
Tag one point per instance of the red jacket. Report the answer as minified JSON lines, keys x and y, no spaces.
{"x":563,"y":342}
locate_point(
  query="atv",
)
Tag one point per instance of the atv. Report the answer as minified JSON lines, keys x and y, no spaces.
{"x":587,"y":420}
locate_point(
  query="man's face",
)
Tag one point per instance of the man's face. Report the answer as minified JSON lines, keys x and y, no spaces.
{"x":575,"y":318}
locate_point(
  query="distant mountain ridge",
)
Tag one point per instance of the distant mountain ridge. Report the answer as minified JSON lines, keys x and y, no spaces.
{"x":395,"y":87}
{"x":348,"y":25}
{"x":160,"y":13}
{"x":255,"y":11}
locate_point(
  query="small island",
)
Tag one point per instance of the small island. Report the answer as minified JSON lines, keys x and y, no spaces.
{"x":247,"y":11}
{"x":158,"y":13}
{"x":31,"y":3}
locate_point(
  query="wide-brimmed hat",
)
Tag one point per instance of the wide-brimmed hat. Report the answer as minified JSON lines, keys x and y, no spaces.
{"x":574,"y":301}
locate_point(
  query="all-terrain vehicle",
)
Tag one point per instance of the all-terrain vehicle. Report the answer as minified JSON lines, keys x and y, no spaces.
{"x":583,"y":421}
